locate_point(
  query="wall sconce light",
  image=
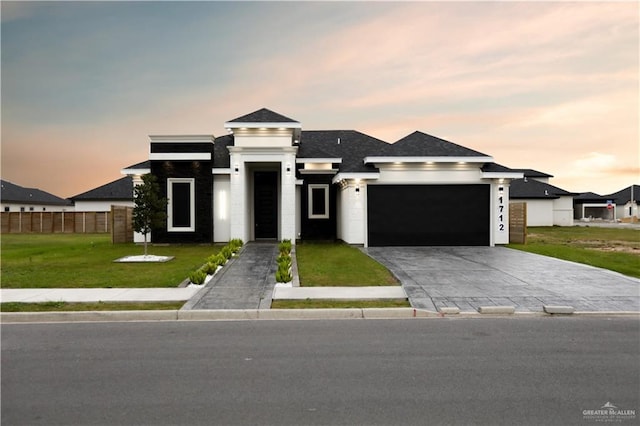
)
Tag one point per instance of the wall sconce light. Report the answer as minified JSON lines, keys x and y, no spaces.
{"x":288,"y":169}
{"x":501,"y":188}
{"x":236,"y":168}
{"x":357,"y":189}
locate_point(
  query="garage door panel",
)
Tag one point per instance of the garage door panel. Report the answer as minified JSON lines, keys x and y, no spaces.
{"x":429,"y":215}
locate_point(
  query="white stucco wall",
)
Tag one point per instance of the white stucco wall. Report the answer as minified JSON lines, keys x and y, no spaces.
{"x":15,"y":207}
{"x":539,"y":212}
{"x":100,"y":206}
{"x":352,"y":213}
{"x":221,"y":208}
{"x":563,"y":211}
{"x":499,"y":214}
{"x":257,"y":138}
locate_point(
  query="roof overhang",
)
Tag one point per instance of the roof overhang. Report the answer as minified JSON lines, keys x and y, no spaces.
{"x":361,"y":176}
{"x":502,"y":175}
{"x":133,"y":172}
{"x":392,"y":160}
{"x":318,"y":160}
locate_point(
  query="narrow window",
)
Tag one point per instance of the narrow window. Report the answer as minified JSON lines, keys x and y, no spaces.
{"x":318,"y":201}
{"x":181,"y":207}
{"x":6,"y":209}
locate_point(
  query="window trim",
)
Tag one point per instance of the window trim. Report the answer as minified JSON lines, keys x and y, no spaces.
{"x":310,"y":189}
{"x":192,"y":206}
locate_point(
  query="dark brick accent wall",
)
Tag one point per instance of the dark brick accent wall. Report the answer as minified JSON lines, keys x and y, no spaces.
{"x":318,"y":229}
{"x":167,"y":147}
{"x":201,"y":172}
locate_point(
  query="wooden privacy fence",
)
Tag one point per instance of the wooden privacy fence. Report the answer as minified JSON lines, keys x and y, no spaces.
{"x":518,"y":223}
{"x":55,"y":222}
{"x":121,"y":224}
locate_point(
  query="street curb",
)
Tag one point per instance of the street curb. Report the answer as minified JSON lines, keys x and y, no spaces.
{"x":271,"y":314}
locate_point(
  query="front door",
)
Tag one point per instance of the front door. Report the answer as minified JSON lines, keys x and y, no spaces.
{"x":265,"y":204}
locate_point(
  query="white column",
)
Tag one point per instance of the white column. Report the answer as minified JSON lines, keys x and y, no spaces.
{"x":238,"y":198}
{"x":288,"y":198}
{"x":500,"y":213}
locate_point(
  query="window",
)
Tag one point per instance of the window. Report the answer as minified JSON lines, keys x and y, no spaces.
{"x":318,"y":201}
{"x":181,"y":207}
{"x":6,"y":209}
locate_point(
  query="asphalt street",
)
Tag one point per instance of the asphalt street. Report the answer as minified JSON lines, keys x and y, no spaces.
{"x":525,"y":371}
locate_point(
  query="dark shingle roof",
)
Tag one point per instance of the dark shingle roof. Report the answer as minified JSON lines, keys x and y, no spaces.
{"x":12,"y":193}
{"x":585,"y":197}
{"x":263,"y":115}
{"x":419,"y":144}
{"x":497,"y":168}
{"x":624,"y":195}
{"x":143,"y":165}
{"x":221,"y":157}
{"x":531,"y":188}
{"x":533,"y":173}
{"x":350,"y":145}
{"x":121,"y":189}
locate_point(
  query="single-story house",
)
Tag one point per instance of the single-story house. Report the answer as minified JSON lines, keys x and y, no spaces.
{"x":100,"y":199}
{"x":621,"y":205}
{"x":547,"y":205}
{"x":15,"y":198}
{"x":269,"y":179}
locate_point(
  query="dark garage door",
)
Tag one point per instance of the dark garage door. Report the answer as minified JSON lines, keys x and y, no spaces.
{"x":428,"y":215}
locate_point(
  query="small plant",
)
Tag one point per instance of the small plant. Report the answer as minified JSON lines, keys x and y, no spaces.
{"x":284,"y":259}
{"x":210,"y":268}
{"x":198,"y":276}
{"x":285,"y":246}
{"x":283,"y":274}
{"x":235,"y":245}
{"x":226,"y":252}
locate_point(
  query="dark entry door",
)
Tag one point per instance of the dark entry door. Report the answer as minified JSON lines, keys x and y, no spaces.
{"x":265,"y":202}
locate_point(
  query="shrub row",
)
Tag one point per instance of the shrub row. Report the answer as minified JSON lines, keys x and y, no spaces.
{"x":215,"y":260}
{"x":284,"y":274}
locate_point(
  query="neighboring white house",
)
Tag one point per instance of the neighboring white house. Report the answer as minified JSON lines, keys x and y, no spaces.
{"x":547,"y":205}
{"x":15,"y":198}
{"x":269,"y":179}
{"x":626,"y":202}
{"x":100,"y":199}
{"x":621,"y":205}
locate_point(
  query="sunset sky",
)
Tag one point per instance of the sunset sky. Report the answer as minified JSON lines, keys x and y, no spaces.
{"x":548,"y":86}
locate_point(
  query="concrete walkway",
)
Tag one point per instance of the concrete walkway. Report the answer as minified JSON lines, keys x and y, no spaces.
{"x":471,"y":277}
{"x":246,"y":282}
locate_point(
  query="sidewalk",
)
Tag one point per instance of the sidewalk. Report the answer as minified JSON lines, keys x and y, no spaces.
{"x":35,"y":295}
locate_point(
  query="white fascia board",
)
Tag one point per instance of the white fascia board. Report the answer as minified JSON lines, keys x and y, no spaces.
{"x":381,"y":160}
{"x":361,"y":176}
{"x":287,"y":125}
{"x":180,"y":156}
{"x":502,"y":175}
{"x":318,"y":160}
{"x":318,"y":171}
{"x":221,"y":171}
{"x":299,"y":182}
{"x":133,"y":172}
{"x":181,"y":138}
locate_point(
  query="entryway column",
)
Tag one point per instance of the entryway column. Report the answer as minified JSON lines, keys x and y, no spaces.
{"x":288,"y":196}
{"x":238,"y":198}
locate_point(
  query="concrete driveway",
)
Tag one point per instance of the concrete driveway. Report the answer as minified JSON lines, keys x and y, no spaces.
{"x":470,"y":277}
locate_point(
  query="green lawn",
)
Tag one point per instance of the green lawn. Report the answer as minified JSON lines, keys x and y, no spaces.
{"x":609,"y":248}
{"x":339,"y":304}
{"x":88,"y":306}
{"x":325,"y":264}
{"x":86,"y":261}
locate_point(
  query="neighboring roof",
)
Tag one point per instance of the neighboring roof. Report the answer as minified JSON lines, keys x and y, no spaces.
{"x":350,"y":145}
{"x":121,"y":189}
{"x":534,"y":189}
{"x":263,"y":115}
{"x":590,"y":196}
{"x":419,"y":144}
{"x":624,"y":195}
{"x":533,"y":173}
{"x":497,"y":168}
{"x":12,"y":193}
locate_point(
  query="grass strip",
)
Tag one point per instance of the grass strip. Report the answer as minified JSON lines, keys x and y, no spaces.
{"x":339,"y":304}
{"x":609,"y":248}
{"x":334,"y":264}
{"x":88,"y":306}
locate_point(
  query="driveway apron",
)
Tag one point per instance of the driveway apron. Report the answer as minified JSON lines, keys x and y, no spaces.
{"x":246,"y":282}
{"x":470,"y":277}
